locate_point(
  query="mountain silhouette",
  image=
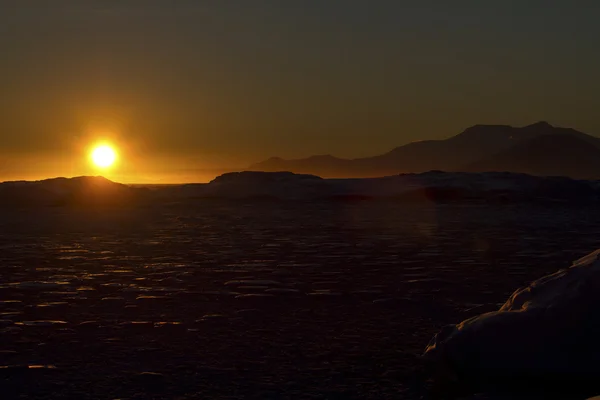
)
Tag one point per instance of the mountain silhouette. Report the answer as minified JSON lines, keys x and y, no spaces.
{"x":477,"y":147}
{"x":327,"y":165}
{"x":547,"y":155}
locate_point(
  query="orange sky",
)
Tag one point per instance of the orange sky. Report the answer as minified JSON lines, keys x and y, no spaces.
{"x":187,"y":89}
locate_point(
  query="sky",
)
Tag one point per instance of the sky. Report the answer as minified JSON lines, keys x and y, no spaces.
{"x":184,"y":89}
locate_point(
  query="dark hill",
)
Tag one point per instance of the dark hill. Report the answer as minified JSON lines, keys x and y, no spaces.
{"x":84,"y":190}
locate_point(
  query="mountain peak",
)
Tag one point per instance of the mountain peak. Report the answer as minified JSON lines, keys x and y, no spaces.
{"x":483,"y":127}
{"x":540,"y":125}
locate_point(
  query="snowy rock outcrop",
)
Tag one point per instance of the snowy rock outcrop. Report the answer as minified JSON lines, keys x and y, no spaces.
{"x":546,"y":332}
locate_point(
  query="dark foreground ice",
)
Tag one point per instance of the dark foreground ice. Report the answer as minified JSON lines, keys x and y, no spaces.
{"x":257,"y":300}
{"x":545,"y":337}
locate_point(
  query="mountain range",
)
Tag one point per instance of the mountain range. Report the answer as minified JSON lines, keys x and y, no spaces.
{"x":537,"y":149}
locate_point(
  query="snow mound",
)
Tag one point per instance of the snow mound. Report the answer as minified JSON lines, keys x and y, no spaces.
{"x":545,"y":332}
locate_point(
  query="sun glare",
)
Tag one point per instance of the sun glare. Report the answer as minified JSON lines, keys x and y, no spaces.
{"x":103,"y":156}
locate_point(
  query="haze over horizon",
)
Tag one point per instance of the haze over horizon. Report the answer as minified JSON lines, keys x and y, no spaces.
{"x":185,"y":90}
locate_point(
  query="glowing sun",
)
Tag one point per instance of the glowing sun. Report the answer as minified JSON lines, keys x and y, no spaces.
{"x":103,"y":156}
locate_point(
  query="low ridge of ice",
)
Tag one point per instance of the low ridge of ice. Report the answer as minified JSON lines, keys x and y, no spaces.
{"x":286,"y":185}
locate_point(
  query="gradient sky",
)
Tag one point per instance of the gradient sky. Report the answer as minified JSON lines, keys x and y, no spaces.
{"x":185,"y":87}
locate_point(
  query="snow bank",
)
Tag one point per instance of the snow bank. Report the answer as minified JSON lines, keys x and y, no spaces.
{"x":546,"y":331}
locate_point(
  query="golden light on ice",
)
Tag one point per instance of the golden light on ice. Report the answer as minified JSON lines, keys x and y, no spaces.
{"x":103,"y":156}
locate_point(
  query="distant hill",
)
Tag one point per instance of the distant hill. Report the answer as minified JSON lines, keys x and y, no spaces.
{"x":425,"y":188}
{"x":322,"y":165}
{"x":466,"y":151}
{"x":83,"y":190}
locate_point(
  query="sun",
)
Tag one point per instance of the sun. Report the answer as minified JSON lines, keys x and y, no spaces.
{"x":103,"y":156}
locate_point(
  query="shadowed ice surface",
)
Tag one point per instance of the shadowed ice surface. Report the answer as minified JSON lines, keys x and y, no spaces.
{"x":257,"y":299}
